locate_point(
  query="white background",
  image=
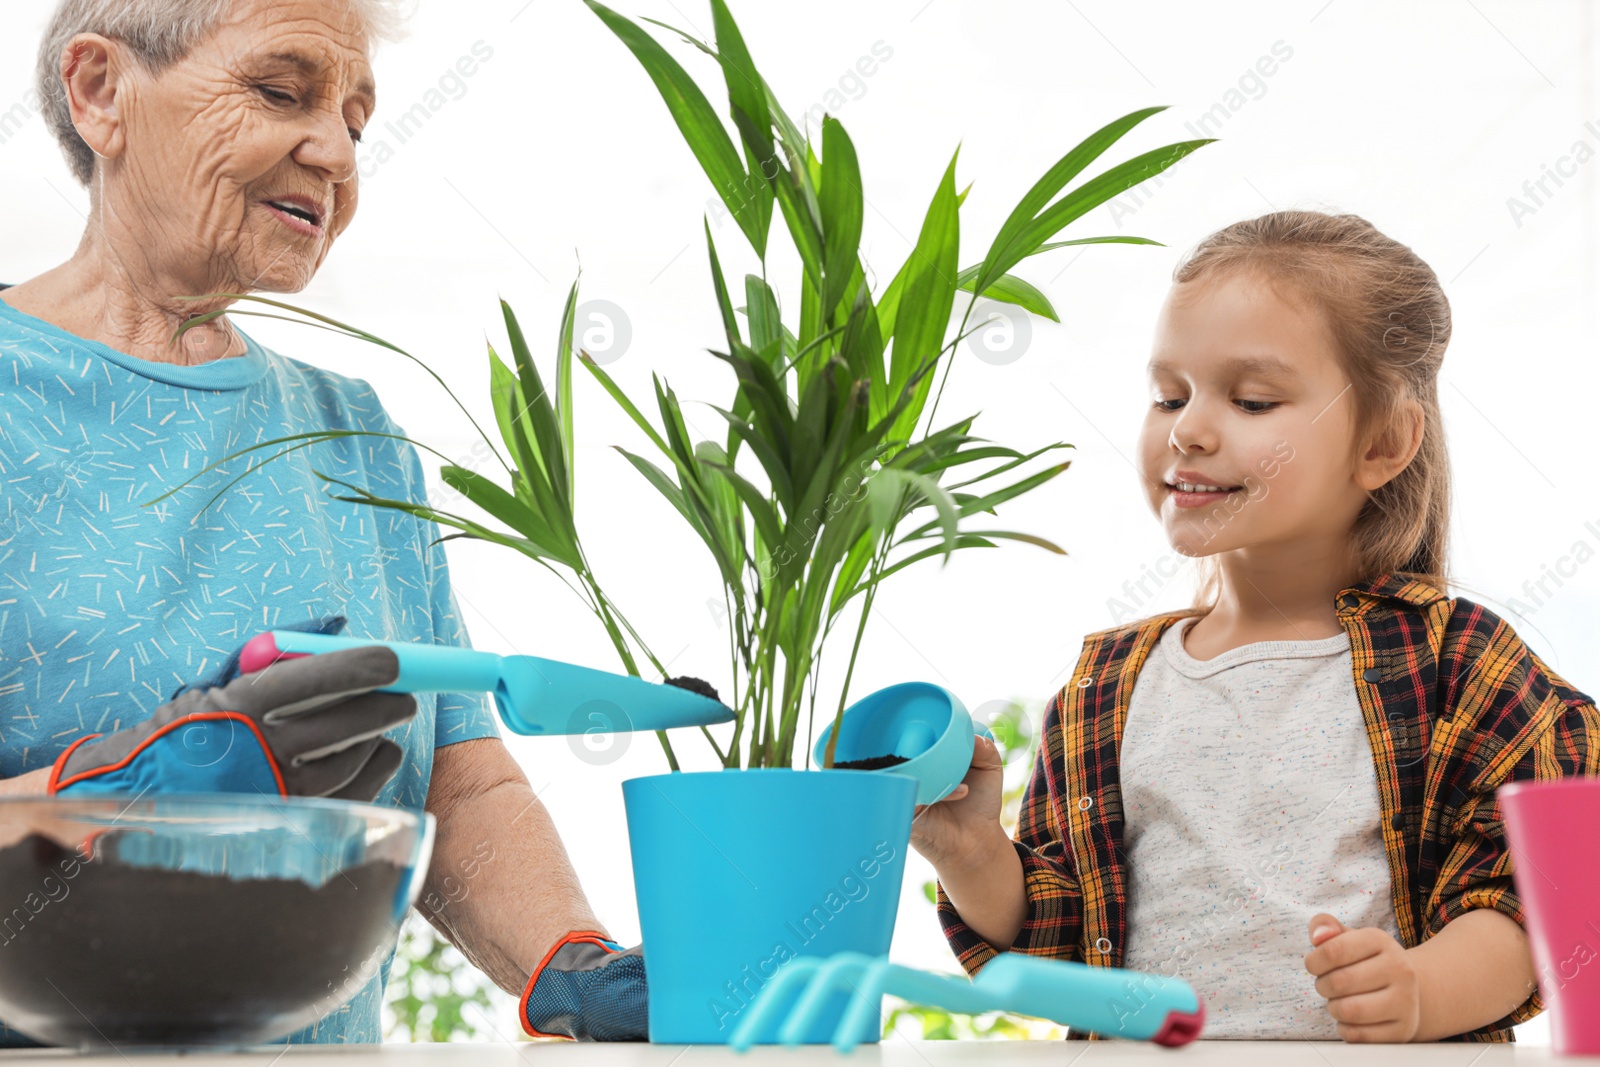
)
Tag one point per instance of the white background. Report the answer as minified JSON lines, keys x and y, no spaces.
{"x":1425,"y":118}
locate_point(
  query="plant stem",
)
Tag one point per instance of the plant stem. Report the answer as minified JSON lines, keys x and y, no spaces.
{"x":940,"y":391}
{"x":878,"y":559}
{"x":621,"y":645}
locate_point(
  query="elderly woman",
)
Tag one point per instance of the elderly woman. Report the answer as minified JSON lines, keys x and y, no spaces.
{"x":217,"y":139}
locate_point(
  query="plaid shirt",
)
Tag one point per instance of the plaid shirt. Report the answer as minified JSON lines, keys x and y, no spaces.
{"x":1455,"y":706}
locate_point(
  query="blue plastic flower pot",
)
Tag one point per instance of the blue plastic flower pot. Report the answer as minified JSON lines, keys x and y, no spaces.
{"x":739,"y":871}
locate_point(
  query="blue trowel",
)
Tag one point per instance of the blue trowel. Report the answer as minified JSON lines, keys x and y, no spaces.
{"x":533,"y":695}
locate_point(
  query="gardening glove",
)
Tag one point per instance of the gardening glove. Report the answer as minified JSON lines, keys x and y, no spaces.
{"x":307,"y":726}
{"x":588,"y":988}
{"x":229,"y":668}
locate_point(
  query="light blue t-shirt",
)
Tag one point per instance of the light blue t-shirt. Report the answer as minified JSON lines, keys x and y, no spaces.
{"x":107,"y":607}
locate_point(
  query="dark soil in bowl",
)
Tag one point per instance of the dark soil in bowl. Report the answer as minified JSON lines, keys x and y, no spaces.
{"x":118,"y":954}
{"x":869,"y":763}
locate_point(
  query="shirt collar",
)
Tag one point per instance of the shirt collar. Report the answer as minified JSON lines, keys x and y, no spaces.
{"x":1390,"y":585}
{"x":1379,"y":592}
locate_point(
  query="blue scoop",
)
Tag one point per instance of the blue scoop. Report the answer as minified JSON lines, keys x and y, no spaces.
{"x":533,"y":695}
{"x":925,"y":724}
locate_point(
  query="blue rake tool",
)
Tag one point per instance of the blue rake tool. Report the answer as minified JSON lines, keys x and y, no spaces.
{"x":1111,"y":1001}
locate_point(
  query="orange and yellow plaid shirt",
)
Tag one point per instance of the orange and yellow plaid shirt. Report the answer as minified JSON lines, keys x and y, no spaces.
{"x":1455,"y":706}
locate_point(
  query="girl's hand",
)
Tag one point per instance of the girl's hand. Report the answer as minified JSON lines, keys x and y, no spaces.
{"x":964,"y":824}
{"x":1372,"y":988}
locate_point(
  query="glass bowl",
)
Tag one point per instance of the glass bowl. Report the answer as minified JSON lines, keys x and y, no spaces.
{"x":196,"y":919}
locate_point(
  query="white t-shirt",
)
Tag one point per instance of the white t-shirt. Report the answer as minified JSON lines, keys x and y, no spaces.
{"x":1251,"y":804}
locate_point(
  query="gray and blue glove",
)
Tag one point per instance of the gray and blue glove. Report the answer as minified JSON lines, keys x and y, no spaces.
{"x":588,"y":988}
{"x":309,"y":726}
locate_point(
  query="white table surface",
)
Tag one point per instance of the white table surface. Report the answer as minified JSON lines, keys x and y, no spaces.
{"x":894,"y":1052}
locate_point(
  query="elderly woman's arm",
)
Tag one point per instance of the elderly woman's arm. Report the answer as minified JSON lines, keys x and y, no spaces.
{"x":500,"y":887}
{"x":34,"y":783}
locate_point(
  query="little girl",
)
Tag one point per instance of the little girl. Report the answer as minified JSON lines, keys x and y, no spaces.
{"x":1285,"y":794}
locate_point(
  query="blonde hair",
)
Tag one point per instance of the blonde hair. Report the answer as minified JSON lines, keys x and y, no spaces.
{"x":1390,"y":322}
{"x":159,"y":33}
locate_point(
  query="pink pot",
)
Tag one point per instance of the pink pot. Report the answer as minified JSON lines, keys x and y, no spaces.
{"x":1554,"y":831}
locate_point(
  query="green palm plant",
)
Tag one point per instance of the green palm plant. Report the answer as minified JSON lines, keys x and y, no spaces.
{"x":838,"y":490}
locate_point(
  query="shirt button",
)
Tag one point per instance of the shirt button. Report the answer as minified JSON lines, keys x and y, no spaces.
{"x":1102,"y":945}
{"x":1085,"y":803}
{"x":1349,"y":600}
{"x":1398,"y":821}
{"x":1085,"y":682}
{"x":1372,"y":674}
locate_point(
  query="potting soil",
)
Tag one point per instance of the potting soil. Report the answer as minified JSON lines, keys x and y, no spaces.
{"x":98,"y":951}
{"x":695,"y":685}
{"x":869,"y":763}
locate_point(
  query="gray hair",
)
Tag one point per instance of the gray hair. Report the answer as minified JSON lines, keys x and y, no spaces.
{"x":160,"y":33}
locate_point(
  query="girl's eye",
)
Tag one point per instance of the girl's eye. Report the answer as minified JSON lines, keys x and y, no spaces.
{"x":1258,"y":407}
{"x":273,"y":94}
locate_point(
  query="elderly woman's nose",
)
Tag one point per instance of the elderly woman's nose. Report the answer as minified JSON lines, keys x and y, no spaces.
{"x":329,"y":148}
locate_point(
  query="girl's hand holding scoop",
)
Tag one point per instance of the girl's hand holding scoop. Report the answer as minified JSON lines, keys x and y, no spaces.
{"x":964,"y":825}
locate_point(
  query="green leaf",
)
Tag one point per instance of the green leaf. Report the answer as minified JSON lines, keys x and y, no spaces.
{"x":508,"y":509}
{"x":769,"y":403}
{"x":1095,"y":241}
{"x":1009,"y":289}
{"x":538,"y":409}
{"x":861,"y":348}
{"x":840,"y":200}
{"x":811,"y":427}
{"x":564,"y":384}
{"x":706,"y":136}
{"x":747,"y":101}
{"x":777,"y":471}
{"x":824,"y":475}
{"x":442,"y":518}
{"x":687,"y":37}
{"x":725,"y":501}
{"x":1017,"y":462}
{"x":306,"y":440}
{"x":1016,"y":489}
{"x":730,"y":324}
{"x":929,"y":490}
{"x":658,"y":478}
{"x":504,"y":393}
{"x":800,"y":214}
{"x":323,"y":322}
{"x":1091,"y":194}
{"x":854,"y":565}
{"x":929,"y":295}
{"x":1000,"y":256}
{"x":964,"y":540}
{"x":755,"y":502}
{"x":970,"y":504}
{"x":627,"y":405}
{"x":761,"y":308}
{"x":968,"y":455}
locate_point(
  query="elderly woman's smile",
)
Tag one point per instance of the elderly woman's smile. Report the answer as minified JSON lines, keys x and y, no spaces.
{"x":229,"y":170}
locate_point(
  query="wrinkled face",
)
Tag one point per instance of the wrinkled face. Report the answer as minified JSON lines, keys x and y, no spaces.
{"x":1247,"y":396}
{"x":229,"y":150}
